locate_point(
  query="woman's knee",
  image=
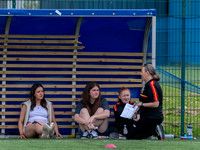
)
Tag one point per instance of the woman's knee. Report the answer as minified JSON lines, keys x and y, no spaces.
{"x":103,"y":126}
{"x":84,"y":111}
{"x":30,"y":131}
{"x":99,"y":110}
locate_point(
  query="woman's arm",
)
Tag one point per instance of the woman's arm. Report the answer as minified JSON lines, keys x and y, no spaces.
{"x":152,"y":93}
{"x":154,"y":104}
{"x":54,"y":121}
{"x":21,"y":122}
{"x":79,"y":120}
{"x":105,"y":114}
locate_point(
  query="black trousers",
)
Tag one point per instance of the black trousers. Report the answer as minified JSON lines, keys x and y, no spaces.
{"x":145,"y":127}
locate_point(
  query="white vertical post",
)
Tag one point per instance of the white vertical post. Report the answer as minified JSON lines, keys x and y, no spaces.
{"x":4,"y":74}
{"x":78,"y":25}
{"x":154,"y":41}
{"x":145,"y":42}
{"x":3,"y":90}
{"x":9,"y":4}
{"x":74,"y":89}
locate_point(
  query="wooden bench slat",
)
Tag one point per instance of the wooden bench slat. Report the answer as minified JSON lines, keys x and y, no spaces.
{"x":54,"y":92}
{"x":8,"y":126}
{"x":111,"y":119}
{"x":72,"y":60}
{"x":59,"y":99}
{"x":9,"y":120}
{"x":72,"y":53}
{"x":69,"y":86}
{"x":41,"y":41}
{"x":9,"y":106}
{"x":68,"y":126}
{"x":57,"y":119}
{"x":74,"y":72}
{"x":39,"y":36}
{"x":64,"y":119}
{"x":17,"y":113}
{"x":39,"y":47}
{"x":54,"y":106}
{"x":68,"y":66}
{"x":111,"y":54}
{"x":16,"y":126}
{"x":39,"y":53}
{"x":72,"y":79}
{"x":63,"y":113}
{"x":107,"y":79}
{"x":50,"y":99}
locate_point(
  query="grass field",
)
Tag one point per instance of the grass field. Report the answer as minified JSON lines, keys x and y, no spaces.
{"x":97,"y":144}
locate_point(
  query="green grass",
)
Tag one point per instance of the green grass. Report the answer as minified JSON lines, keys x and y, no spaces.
{"x":99,"y":144}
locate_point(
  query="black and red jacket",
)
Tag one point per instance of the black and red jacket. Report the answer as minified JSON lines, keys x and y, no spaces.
{"x":120,"y":121}
{"x":152,"y":92}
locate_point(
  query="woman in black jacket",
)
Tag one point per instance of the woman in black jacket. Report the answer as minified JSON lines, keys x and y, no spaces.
{"x":151,"y":100}
{"x":124,"y":97}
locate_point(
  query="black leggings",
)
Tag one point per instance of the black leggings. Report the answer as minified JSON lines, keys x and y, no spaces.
{"x":145,"y":127}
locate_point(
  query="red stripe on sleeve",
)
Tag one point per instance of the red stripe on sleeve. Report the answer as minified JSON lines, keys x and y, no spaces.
{"x":155,"y":94}
{"x":143,"y":95}
{"x":115,"y":108}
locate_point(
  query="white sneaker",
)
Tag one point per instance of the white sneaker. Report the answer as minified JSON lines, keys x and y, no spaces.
{"x":93,"y":134}
{"x":85,"y":135}
{"x":45,"y":131}
{"x":51,"y":130}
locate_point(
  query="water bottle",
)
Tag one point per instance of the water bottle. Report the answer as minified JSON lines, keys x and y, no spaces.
{"x":125,"y":131}
{"x":170,"y":136}
{"x":189,"y":130}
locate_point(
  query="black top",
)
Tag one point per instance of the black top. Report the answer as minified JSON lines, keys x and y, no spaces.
{"x":120,"y":121}
{"x":152,"y":92}
{"x":104,"y":105}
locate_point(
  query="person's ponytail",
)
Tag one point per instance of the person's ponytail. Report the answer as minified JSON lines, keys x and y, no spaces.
{"x":156,"y":77}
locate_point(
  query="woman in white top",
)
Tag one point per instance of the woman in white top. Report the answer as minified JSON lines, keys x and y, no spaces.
{"x":37,"y":119}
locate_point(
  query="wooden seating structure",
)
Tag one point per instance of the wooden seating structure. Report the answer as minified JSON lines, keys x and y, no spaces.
{"x":63,"y":66}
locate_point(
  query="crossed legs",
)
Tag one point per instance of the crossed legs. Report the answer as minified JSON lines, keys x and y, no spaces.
{"x":101,"y":123}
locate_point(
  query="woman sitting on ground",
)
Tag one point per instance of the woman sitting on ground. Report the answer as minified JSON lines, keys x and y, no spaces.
{"x":37,"y":118}
{"x":92,"y":112}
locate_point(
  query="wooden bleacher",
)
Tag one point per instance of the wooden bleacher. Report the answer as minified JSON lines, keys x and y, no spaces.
{"x":63,"y":67}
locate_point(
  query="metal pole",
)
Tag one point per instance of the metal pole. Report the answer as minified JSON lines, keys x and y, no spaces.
{"x":154,"y":41}
{"x":13,"y":3}
{"x":183,"y":71}
{"x":7,"y":28}
{"x":78,"y":26}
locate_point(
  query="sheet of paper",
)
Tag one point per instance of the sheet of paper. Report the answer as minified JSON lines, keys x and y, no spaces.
{"x":128,"y":111}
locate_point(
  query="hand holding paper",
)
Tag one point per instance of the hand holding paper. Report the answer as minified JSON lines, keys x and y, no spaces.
{"x":128,"y":111}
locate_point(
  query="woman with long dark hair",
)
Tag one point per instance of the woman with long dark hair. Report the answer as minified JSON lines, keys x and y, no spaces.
{"x":151,"y":100}
{"x":37,"y":119}
{"x":92,"y":112}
